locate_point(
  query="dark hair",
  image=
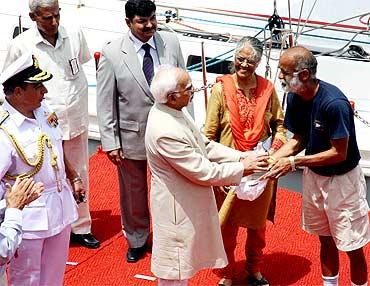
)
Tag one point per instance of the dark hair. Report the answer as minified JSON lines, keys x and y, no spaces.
{"x":143,"y":8}
{"x":10,"y":87}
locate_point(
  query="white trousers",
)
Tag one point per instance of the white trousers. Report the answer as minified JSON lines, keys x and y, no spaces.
{"x":77,"y":153}
{"x":40,"y":262}
{"x":165,"y":282}
{"x":3,"y":280}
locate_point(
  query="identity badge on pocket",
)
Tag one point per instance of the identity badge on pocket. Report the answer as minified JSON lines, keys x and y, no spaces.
{"x":73,"y":63}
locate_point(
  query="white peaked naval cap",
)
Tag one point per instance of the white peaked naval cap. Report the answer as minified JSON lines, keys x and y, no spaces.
{"x":24,"y":69}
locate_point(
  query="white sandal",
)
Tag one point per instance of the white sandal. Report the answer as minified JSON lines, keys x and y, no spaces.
{"x":225,"y":282}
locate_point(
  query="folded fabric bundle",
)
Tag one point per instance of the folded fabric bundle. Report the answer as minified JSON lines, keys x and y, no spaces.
{"x":250,"y":188}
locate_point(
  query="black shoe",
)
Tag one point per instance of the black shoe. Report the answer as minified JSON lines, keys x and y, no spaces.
{"x":134,"y":254}
{"x":86,"y":240}
{"x":257,"y":282}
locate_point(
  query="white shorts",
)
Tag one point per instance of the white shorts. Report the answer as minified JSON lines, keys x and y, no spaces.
{"x":336,"y":206}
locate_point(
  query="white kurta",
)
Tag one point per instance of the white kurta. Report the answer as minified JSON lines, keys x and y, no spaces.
{"x":10,"y":235}
{"x":68,"y":89}
{"x":186,"y":230}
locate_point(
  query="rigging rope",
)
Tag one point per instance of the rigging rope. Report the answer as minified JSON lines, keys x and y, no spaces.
{"x":342,"y":48}
{"x":275,"y":24}
{"x":334,"y":23}
{"x":210,"y":61}
{"x":213,"y":61}
{"x":290,"y":18}
{"x":299,"y":21}
{"x":305,"y":23}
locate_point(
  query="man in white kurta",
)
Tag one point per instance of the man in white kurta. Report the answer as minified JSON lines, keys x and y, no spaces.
{"x":31,"y":146}
{"x":15,"y":199}
{"x":184,"y":166}
{"x":10,"y":238}
{"x":62,"y":51}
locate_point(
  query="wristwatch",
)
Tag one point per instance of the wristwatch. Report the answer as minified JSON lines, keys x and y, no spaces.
{"x":76,"y":179}
{"x":292,"y":163}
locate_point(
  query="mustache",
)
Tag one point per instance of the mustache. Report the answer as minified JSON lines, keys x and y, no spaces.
{"x":149,"y":30}
{"x":283,"y":83}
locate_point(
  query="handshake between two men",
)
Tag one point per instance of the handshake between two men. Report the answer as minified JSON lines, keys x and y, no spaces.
{"x":266,"y":165}
{"x":262,"y":162}
{"x":255,"y":162}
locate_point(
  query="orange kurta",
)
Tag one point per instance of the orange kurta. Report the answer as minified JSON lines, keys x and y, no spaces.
{"x":217,"y":127}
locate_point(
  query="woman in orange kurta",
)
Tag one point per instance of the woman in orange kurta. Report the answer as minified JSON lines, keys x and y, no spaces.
{"x":243,"y":110}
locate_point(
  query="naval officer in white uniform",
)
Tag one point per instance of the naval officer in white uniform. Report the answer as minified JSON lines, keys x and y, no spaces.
{"x":31,"y":146}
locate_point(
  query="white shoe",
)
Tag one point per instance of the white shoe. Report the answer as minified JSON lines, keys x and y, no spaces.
{"x":225,"y":282}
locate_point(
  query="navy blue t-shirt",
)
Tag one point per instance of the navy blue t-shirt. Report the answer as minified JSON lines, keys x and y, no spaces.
{"x":327,"y":116}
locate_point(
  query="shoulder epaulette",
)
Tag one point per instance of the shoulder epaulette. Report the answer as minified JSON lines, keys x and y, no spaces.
{"x":3,"y":116}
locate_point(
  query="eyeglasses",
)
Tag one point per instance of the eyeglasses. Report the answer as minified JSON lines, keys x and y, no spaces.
{"x":285,"y":73}
{"x":190,"y":89}
{"x":248,"y":62}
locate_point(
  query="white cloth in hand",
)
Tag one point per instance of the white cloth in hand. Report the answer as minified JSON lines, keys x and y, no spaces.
{"x":250,"y":188}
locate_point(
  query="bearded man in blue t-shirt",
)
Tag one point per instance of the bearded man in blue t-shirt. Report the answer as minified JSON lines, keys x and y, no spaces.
{"x":334,"y":205}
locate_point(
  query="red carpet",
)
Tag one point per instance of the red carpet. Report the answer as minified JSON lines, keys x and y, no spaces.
{"x":291,"y":255}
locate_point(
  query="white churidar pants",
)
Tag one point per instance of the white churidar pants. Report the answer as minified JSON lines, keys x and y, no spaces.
{"x":3,"y":280}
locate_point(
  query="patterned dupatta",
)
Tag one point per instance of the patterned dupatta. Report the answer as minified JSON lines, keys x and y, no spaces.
{"x":264,"y":90}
